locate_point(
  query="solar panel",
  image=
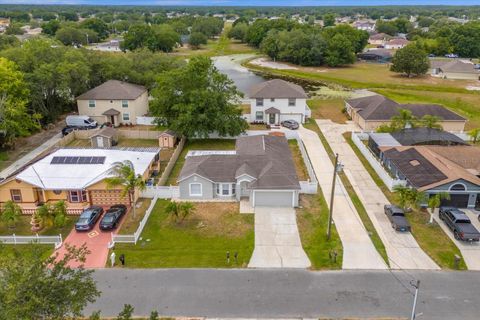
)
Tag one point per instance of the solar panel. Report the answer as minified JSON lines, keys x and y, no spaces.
{"x":78,"y":160}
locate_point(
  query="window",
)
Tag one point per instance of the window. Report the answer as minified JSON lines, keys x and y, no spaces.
{"x":126,"y":117}
{"x":291,"y":102}
{"x":457,"y":187}
{"x":16,"y":195}
{"x":124,"y":103}
{"x":195,"y":189}
{"x":272,"y":99}
{"x":234,"y":186}
{"x":259,"y":102}
{"x":91,"y":103}
{"x":259,"y":116}
{"x":225,"y":189}
{"x":77,"y":196}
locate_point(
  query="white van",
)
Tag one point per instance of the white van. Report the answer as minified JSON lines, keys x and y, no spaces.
{"x":80,"y":121}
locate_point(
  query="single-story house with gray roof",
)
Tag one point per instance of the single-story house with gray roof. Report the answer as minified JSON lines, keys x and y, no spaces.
{"x":454,"y":69}
{"x":260,"y":169}
{"x":371,"y":112}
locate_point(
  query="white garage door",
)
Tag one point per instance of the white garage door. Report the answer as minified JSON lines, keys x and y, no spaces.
{"x":296,"y":117}
{"x":274,"y":198}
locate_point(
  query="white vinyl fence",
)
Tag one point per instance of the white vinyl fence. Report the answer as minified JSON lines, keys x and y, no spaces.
{"x":311,"y":186}
{"x":133,"y":238}
{"x":161,"y":192}
{"x":377,"y":166}
{"x":57,"y":241}
{"x":145,"y":121}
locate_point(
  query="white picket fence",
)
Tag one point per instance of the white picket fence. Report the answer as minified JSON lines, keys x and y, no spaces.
{"x":133,"y":238}
{"x":372,"y":159}
{"x":161,"y":192}
{"x":57,"y":241}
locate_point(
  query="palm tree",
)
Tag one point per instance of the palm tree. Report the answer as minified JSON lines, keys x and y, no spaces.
{"x":402,"y":195}
{"x":186,"y":209}
{"x":180,"y":210}
{"x":173,"y":208}
{"x":431,"y":122}
{"x":10,"y":213}
{"x":474,"y":134}
{"x":435,"y":202}
{"x":409,"y":197}
{"x":123,"y":174}
{"x":404,"y":119}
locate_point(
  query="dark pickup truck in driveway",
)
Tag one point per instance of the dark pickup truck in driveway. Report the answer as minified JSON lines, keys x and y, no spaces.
{"x":397,"y":218}
{"x":459,"y":223}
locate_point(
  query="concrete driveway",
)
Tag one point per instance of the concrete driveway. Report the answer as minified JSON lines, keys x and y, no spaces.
{"x":358,"y":249}
{"x":402,"y":249}
{"x":470,"y":251}
{"x":277,"y":242}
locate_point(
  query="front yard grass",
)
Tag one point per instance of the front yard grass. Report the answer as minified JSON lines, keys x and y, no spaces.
{"x":300,"y":167}
{"x":431,"y":238}
{"x":130,"y":223}
{"x":198,"y":144}
{"x":312,"y":220}
{"x":328,"y":109}
{"x":201,"y":241}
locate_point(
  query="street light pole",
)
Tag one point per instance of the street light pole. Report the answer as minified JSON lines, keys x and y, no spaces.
{"x":332,"y":195}
{"x":417,"y":286}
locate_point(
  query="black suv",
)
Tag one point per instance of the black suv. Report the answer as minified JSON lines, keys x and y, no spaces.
{"x":459,"y":223}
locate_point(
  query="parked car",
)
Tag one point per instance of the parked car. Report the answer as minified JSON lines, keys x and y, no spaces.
{"x":431,"y":55}
{"x":112,"y":217}
{"x":397,"y":218}
{"x":451,"y":55}
{"x":88,"y":218}
{"x":80,"y":121}
{"x":459,"y":223}
{"x":290,"y":124}
{"x":69,"y":129}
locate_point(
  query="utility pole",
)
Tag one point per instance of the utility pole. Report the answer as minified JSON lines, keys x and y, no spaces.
{"x":336,"y":168}
{"x":416,"y":286}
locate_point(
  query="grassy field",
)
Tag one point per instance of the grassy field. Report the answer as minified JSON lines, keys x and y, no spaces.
{"x":431,"y":238}
{"x":328,"y":109}
{"x":198,"y":144}
{"x":201,"y":241}
{"x":372,"y":232}
{"x":300,"y":168}
{"x":312,"y":220}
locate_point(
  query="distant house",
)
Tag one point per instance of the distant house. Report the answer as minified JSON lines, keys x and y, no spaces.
{"x":260,"y":169}
{"x":396,"y":43}
{"x":379,"y":39}
{"x":365,"y":25}
{"x":370,"y":112}
{"x":76,"y":176}
{"x":4,"y":24}
{"x":435,"y":169}
{"x":376,"y":55}
{"x":274,"y":101}
{"x":454,"y":69}
{"x":114,"y":101}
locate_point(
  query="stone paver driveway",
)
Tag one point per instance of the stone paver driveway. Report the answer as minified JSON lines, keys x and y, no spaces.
{"x":277,"y":242}
{"x":358,"y":249}
{"x":470,"y":251}
{"x":402,"y":249}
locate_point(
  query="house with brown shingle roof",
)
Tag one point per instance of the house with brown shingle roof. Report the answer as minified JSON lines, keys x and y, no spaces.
{"x":396,"y":43}
{"x":435,"y":169}
{"x":115,"y":102}
{"x":261,"y":169}
{"x":277,"y":100}
{"x":371,"y":112}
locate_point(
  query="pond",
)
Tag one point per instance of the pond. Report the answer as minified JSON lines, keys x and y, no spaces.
{"x":245,"y":79}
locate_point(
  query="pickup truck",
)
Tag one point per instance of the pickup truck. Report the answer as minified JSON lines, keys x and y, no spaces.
{"x":397,"y":218}
{"x":459,"y":223}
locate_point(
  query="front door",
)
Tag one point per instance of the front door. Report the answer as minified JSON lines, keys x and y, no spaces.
{"x":271,"y":118}
{"x":100,"y":142}
{"x":39,"y":196}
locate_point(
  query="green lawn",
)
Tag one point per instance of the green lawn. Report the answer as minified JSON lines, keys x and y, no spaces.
{"x":201,"y":241}
{"x":198,"y":144}
{"x":328,"y":109}
{"x":431,"y":238}
{"x":312,"y":220}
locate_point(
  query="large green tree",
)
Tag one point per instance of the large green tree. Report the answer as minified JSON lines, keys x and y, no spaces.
{"x":339,"y":51}
{"x":411,"y":61}
{"x":197,"y":100}
{"x":32,"y":287}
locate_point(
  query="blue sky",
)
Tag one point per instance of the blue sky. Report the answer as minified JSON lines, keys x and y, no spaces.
{"x":248,"y":2}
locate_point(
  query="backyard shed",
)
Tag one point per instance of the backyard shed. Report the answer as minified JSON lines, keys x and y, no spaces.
{"x":104,"y":138}
{"x":168,"y":139}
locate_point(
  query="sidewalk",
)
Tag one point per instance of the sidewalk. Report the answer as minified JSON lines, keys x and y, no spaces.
{"x":402,"y":249}
{"x":358,"y":249}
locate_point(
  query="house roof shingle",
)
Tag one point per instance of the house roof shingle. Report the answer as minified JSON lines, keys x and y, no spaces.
{"x":266,"y":158}
{"x":277,"y":88}
{"x":114,"y":90}
{"x":423,"y":136}
{"x":455,"y":66}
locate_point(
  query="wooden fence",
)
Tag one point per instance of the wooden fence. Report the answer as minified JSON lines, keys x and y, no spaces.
{"x":171,"y":163}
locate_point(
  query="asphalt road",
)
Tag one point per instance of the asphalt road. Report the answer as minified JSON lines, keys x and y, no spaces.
{"x":287,"y":293}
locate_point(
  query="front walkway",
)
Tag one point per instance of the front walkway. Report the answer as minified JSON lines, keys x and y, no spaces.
{"x":358,"y":249}
{"x":402,"y":249}
{"x":470,"y":251}
{"x":277,"y":242}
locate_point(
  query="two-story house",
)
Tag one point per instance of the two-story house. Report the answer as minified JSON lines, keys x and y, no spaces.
{"x":114,"y":101}
{"x":274,"y":101}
